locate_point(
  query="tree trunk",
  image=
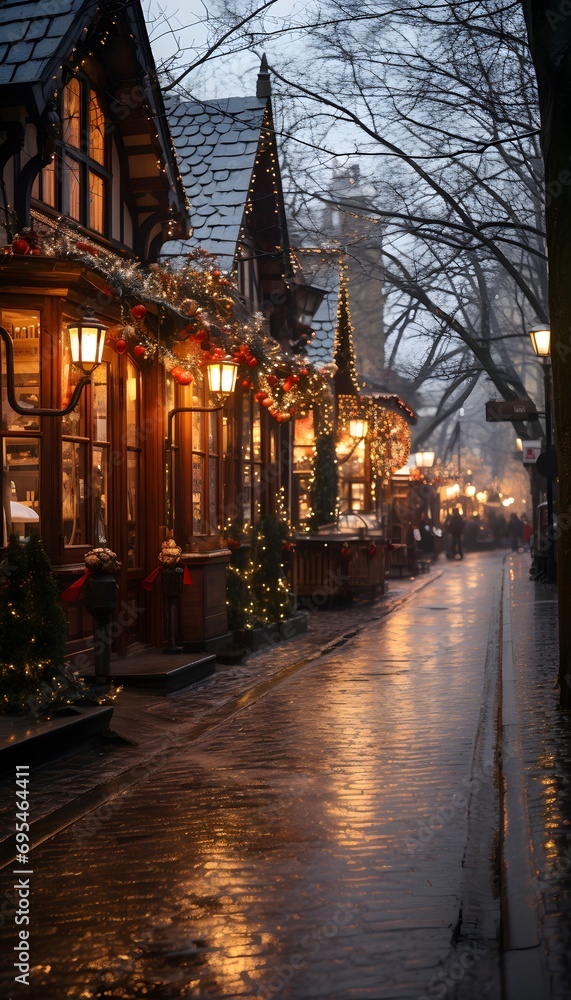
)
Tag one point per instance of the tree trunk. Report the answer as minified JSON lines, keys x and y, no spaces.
{"x":549,"y":34}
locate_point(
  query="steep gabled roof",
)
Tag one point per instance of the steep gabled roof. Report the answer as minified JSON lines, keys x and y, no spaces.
{"x":35,"y":36}
{"x":216,"y":144}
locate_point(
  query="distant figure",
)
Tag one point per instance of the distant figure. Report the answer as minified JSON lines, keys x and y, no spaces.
{"x":456,"y":529}
{"x":526,"y":533}
{"x":515,"y":531}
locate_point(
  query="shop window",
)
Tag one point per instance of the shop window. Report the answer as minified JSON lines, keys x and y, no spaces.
{"x":20,"y":444}
{"x":197,"y":461}
{"x":133,"y":466}
{"x":100,"y":458}
{"x":252,"y":460}
{"x":21,"y":507}
{"x":303,"y":453}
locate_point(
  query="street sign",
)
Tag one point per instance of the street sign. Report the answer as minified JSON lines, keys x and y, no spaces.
{"x":512,"y":409}
{"x":531,"y":452}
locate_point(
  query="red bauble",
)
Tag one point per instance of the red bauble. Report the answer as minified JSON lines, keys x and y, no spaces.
{"x":219,"y":353}
{"x":120,"y":346}
{"x":252,"y":362}
{"x":304,"y":371}
{"x":20,"y":247}
{"x":267,"y":402}
{"x":35,"y":252}
{"x":287,"y":385}
{"x":87,"y":248}
{"x":216,"y":273}
{"x":137,"y":312}
{"x":200,"y":335}
{"x":185,"y":378}
{"x":139,"y":350}
{"x":245,"y":383}
{"x":273,"y":379}
{"x":259,"y":396}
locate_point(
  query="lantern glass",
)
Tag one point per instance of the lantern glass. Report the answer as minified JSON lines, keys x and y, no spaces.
{"x":87,"y":341}
{"x":424,"y":459}
{"x":470,"y":491}
{"x":222,"y":377}
{"x":541,"y":341}
{"x":358,"y":428}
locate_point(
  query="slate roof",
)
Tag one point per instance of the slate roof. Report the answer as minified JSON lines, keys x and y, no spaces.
{"x":32,"y":34}
{"x":216,"y":144}
{"x":322,"y":271}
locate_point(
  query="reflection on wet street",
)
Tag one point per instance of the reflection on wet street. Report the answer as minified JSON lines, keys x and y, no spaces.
{"x":309,"y":847}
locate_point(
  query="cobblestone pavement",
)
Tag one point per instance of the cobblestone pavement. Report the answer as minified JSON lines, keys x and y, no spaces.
{"x":546,"y":744}
{"x":311,"y":846}
{"x":152,"y":724}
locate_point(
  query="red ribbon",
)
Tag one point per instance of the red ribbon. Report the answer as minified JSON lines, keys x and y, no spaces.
{"x":149,"y":582}
{"x":73,"y":591}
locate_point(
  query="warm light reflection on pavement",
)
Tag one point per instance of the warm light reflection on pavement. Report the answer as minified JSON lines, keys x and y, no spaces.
{"x":289,"y":853}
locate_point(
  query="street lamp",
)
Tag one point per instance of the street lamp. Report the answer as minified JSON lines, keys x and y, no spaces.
{"x":358,"y":428}
{"x":424,"y":459}
{"x":221,"y":381}
{"x":470,"y":491}
{"x":541,"y":342}
{"x":87,"y":340}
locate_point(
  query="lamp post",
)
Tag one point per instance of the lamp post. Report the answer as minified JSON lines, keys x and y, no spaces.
{"x":87,"y":338}
{"x":541,"y":342}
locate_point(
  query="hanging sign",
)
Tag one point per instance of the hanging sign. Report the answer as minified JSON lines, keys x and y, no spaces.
{"x":513,"y":409}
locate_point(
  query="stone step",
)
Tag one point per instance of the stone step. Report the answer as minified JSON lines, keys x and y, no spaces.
{"x":26,"y":741}
{"x":157,"y":671}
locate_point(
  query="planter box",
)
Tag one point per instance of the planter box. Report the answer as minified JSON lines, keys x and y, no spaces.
{"x":273,"y":635}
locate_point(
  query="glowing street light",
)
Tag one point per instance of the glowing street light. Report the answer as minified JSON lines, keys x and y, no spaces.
{"x":424,"y":459}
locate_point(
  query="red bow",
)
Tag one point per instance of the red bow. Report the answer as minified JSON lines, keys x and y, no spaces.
{"x":73,"y":591}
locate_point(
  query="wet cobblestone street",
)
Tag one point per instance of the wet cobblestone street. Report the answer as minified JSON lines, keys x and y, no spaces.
{"x":311,"y":846}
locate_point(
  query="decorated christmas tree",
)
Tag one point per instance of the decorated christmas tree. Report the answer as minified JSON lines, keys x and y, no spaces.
{"x":323,"y":485}
{"x":266,"y":578}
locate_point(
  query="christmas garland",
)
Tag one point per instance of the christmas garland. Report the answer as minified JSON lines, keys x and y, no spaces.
{"x":183,"y":316}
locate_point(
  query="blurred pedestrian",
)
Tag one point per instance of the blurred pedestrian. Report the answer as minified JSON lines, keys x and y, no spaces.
{"x":526,"y":534}
{"x":515,"y":531}
{"x":457,"y":531}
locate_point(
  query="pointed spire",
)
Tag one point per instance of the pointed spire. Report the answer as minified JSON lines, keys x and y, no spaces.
{"x":264,"y":86}
{"x":346,"y":379}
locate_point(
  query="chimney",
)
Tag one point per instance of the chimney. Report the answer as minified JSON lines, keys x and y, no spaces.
{"x":264,"y":87}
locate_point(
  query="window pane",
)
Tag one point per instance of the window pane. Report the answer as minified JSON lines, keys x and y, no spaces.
{"x":197,"y":418}
{"x":99,"y":492}
{"x":71,"y":187}
{"x":213,"y":487}
{"x":197,"y":495}
{"x":213,"y":433}
{"x":74,"y":423}
{"x":96,"y":202}
{"x":74,"y":506}
{"x":133,"y":508}
{"x":72,"y":114}
{"x":247,"y":495}
{"x":132,"y":404}
{"x":257,"y":434}
{"x":246,"y":429}
{"x":44,"y":186}
{"x":24,"y":326}
{"x":21,"y":459}
{"x":99,"y":390}
{"x":96,"y":129}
